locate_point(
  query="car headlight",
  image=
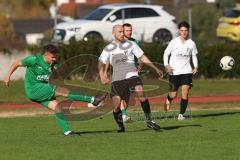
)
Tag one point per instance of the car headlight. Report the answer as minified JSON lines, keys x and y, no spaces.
{"x":75,"y":29}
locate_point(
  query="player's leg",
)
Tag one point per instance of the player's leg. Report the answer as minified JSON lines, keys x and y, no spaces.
{"x":61,"y":91}
{"x":135,"y":83}
{"x":173,"y":87}
{"x":117,"y":114}
{"x":44,"y":94}
{"x":146,"y":108}
{"x":170,"y":97}
{"x":118,"y":93}
{"x":123,"y":107}
{"x":186,"y":83}
{"x":184,"y":101}
{"x":59,"y":116}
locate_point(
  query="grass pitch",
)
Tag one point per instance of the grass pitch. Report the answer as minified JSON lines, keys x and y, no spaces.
{"x":207,"y":135}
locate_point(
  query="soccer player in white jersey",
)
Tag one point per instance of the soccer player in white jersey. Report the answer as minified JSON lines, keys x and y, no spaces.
{"x":127,"y":32}
{"x":120,"y":53}
{"x":180,"y":50}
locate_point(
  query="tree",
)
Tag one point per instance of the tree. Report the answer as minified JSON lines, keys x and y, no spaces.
{"x":6,"y":27}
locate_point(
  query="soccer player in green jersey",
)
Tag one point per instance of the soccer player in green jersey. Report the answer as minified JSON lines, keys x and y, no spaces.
{"x":127,"y":31}
{"x":38,"y":89}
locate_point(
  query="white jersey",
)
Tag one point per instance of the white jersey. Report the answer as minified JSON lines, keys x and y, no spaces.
{"x":180,"y":54}
{"x":121,"y":58}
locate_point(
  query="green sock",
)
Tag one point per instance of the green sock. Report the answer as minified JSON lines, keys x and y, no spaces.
{"x":77,"y":97}
{"x":124,"y":112}
{"x":62,"y":123}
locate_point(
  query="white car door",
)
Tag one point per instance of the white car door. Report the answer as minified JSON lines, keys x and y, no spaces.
{"x":139,"y":18}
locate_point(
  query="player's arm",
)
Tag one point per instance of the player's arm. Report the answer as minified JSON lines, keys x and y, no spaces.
{"x":11,"y":70}
{"x":107,"y":66}
{"x":195,"y":59}
{"x":195,"y":64}
{"x":166,"y":55}
{"x":140,"y":65}
{"x":102,"y":61}
{"x":146,"y":61}
{"x":102,"y":74}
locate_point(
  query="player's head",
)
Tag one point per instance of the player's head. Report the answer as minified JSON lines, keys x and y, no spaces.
{"x":183,"y":29}
{"x":127,"y":30}
{"x":50,"y":52}
{"x":118,"y":32}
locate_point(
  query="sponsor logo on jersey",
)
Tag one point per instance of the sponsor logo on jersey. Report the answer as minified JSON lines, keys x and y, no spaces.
{"x":43,"y":77}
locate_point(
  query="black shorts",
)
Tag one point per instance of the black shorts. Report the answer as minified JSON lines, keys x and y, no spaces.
{"x":124,"y":88}
{"x":175,"y":81}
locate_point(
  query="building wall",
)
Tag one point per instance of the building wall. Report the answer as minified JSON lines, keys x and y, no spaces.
{"x":60,"y":2}
{"x":7,"y":60}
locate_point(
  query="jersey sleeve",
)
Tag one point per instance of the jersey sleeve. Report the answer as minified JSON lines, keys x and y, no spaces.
{"x":137,"y":51}
{"x":29,"y":61}
{"x":167,"y":52}
{"x":194,"y":51}
{"x":104,"y":57}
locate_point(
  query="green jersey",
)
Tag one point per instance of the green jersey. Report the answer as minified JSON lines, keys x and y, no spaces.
{"x":36,"y":78}
{"x":38,"y":71}
{"x":134,"y":40}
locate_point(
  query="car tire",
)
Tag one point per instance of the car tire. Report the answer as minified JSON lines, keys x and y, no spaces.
{"x":93,"y":36}
{"x":162,"y":36}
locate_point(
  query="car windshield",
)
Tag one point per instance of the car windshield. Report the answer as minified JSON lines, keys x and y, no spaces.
{"x":97,"y":14}
{"x":232,"y":13}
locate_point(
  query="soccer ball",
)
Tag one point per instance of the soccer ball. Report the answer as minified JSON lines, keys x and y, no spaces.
{"x":227,"y":63}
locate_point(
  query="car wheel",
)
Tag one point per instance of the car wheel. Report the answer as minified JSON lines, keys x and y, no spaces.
{"x":162,"y":36}
{"x":93,"y":36}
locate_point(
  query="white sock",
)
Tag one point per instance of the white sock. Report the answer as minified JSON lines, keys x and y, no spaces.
{"x":92,"y":99}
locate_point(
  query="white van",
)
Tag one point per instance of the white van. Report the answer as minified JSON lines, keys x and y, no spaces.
{"x":151,"y":23}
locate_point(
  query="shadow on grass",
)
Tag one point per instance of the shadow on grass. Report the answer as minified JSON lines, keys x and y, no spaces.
{"x":139,"y":130}
{"x":214,"y":114}
{"x":181,"y":126}
{"x":110,"y":131}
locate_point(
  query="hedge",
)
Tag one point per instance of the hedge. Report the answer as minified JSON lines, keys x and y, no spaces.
{"x":209,"y":55}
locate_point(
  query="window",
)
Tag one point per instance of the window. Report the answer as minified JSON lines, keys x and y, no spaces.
{"x":118,"y":14}
{"x":232,"y":13}
{"x":141,"y":12}
{"x":135,"y":13}
{"x":97,"y":14}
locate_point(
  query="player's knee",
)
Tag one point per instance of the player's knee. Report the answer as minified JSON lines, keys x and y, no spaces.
{"x":184,"y":96}
{"x":58,"y":108}
{"x":142,"y":99}
{"x":172,"y":95}
{"x":54,"y":105}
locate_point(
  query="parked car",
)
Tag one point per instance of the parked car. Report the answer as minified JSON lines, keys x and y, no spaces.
{"x":151,"y":23}
{"x":229,"y":25}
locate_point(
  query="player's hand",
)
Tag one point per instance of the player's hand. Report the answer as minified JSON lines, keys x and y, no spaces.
{"x":104,"y":79}
{"x":168,"y":69}
{"x":195,"y":71}
{"x":6,"y":81}
{"x":160,"y":73}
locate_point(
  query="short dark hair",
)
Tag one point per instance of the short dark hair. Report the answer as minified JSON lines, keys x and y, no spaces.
{"x":50,"y":48}
{"x":183,"y":24}
{"x":127,"y":25}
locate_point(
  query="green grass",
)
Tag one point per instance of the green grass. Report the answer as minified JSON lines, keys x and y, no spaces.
{"x":208,"y":135}
{"x":215,"y":87}
{"x":15,"y":93}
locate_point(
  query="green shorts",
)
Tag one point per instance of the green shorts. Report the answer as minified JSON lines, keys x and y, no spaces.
{"x":41,"y":93}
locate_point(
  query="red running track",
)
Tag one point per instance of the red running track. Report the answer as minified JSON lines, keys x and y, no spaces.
{"x":155,"y":100}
